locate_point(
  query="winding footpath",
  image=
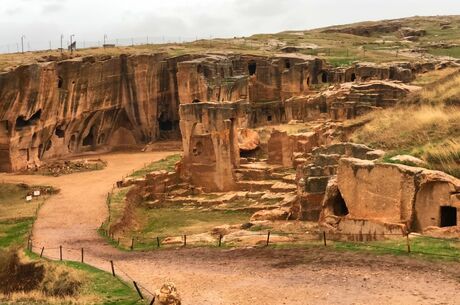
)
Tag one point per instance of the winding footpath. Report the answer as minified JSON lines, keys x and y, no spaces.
{"x":240,"y":277}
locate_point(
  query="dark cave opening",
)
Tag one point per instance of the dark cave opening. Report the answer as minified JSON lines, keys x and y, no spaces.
{"x":339,"y":206}
{"x":21,"y":122}
{"x":252,"y":67}
{"x":448,"y":216}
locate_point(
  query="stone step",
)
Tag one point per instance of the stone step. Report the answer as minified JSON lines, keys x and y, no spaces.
{"x":255,"y":186}
{"x":253,"y":174}
{"x":291,"y":178}
{"x":281,"y":187}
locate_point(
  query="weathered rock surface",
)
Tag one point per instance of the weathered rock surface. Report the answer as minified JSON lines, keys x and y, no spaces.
{"x":392,"y":196}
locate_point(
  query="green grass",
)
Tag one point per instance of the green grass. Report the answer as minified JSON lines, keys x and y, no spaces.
{"x":177,"y":221}
{"x":16,"y":215}
{"x":167,"y":164}
{"x":421,"y":247}
{"x":13,"y":233}
{"x":110,"y":290}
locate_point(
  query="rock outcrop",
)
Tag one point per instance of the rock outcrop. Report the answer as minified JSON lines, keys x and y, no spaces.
{"x":389,"y":198}
{"x":68,"y":107}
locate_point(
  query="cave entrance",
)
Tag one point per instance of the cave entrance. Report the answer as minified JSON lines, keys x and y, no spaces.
{"x":89,"y":139}
{"x":252,"y":67}
{"x":323,"y":107}
{"x":166,"y":126}
{"x":448,"y":217}
{"x":353,"y":77}
{"x":22,"y":122}
{"x":339,"y":206}
{"x":287,"y":64}
{"x":60,"y":82}
{"x":324,"y":77}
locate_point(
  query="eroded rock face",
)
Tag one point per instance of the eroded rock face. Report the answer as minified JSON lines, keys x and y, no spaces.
{"x":389,"y":196}
{"x":61,"y":108}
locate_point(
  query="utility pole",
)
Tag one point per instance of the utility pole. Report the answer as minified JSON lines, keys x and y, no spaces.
{"x":105,"y":38}
{"x":22,"y":43}
{"x":71,"y":42}
{"x":62,"y":47}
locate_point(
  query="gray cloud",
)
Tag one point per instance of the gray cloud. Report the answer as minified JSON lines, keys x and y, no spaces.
{"x":51,"y":8}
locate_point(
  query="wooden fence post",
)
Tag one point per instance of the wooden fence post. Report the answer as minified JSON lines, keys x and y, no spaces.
{"x":324,"y":238}
{"x":82,"y":255}
{"x":60,"y":253}
{"x":408,"y":242}
{"x":185,"y":240}
{"x":220,"y":240}
{"x":158,"y":242}
{"x":113,"y":268}
{"x":138,"y":290}
{"x":132,"y":244}
{"x":41,"y":253}
{"x":268,"y":237}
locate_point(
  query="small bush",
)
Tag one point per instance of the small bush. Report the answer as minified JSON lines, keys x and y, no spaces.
{"x":60,"y":282}
{"x":24,"y":277}
{"x":16,"y":276}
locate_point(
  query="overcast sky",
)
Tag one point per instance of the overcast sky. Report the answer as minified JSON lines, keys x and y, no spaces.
{"x":44,"y":20}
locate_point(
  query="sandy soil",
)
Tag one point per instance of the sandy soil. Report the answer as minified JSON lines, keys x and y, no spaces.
{"x":244,"y":276}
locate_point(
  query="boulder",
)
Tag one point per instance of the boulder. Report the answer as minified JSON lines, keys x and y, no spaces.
{"x":167,"y":295}
{"x":248,"y":139}
{"x":272,"y":215}
{"x":409,"y":160}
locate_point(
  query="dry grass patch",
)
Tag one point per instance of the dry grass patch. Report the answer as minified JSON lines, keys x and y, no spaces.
{"x":428,"y":132}
{"x":444,"y":91}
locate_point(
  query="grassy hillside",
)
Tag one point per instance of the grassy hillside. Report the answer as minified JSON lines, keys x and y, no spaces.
{"x":335,"y":47}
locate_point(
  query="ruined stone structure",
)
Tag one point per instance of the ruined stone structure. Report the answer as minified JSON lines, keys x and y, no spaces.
{"x":210,"y":143}
{"x":381,"y":198}
{"x":321,"y":167}
{"x":347,"y":101}
{"x":59,"y":108}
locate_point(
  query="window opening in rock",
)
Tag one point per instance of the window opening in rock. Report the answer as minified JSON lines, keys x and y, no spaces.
{"x":198,"y":149}
{"x":196,"y":101}
{"x":448,"y":216}
{"x":59,"y":132}
{"x":287,"y":64}
{"x":60,"y":82}
{"x":252,"y":67}
{"x":353,"y":77}
{"x":269,"y":118}
{"x":324,"y":77}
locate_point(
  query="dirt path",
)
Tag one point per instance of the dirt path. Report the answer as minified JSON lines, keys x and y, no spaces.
{"x":240,"y":277}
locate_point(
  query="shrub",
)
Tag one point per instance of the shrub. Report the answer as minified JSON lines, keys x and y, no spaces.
{"x":16,"y":276}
